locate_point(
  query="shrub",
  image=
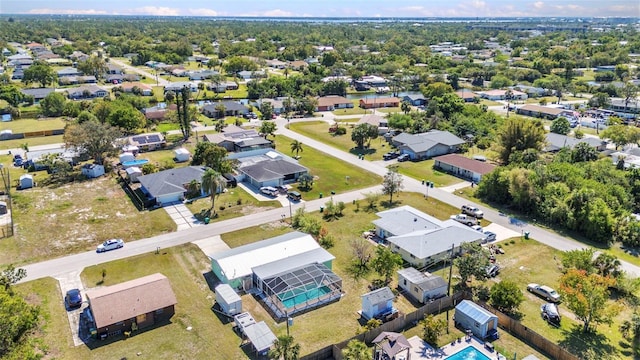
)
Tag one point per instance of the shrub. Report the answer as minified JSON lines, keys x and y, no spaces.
{"x":222,"y":207}
{"x":341,"y":130}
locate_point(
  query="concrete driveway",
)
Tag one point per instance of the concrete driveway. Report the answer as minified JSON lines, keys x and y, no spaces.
{"x":182,"y":216}
{"x":212,"y":245}
{"x":67,"y":282}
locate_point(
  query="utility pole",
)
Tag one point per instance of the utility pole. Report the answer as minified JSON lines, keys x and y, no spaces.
{"x":449,"y":285}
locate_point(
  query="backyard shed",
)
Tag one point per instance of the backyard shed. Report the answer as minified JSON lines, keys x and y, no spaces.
{"x":26,"y":181}
{"x":378,"y":303}
{"x":6,"y":134}
{"x":471,"y":316}
{"x":181,"y":154}
{"x":421,"y":286}
{"x":258,"y":333}
{"x":126,"y":156}
{"x":92,"y":170}
{"x":133,"y":173}
{"x":229,"y":301}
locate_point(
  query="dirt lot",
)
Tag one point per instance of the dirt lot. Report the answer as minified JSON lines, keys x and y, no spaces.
{"x":56,"y":221}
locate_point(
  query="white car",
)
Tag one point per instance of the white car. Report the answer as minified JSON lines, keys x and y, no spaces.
{"x":269,"y":190}
{"x":544,"y":292}
{"x":110,"y":245}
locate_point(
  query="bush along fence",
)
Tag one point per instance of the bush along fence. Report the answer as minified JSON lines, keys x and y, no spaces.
{"x":398,"y":324}
{"x":530,"y":337}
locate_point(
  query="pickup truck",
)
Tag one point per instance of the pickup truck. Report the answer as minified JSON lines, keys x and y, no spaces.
{"x":465,"y":219}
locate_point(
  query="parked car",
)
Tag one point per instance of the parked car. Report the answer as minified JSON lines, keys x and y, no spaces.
{"x":390,"y":155}
{"x":465,"y":219}
{"x":493,"y":270}
{"x":294,"y":195}
{"x":73,"y":299}
{"x":544,"y":292}
{"x":404,"y":157}
{"x":550,"y":313}
{"x":477,"y":228}
{"x":489,"y":236}
{"x":472,"y":211}
{"x":269,"y":190}
{"x":110,"y":245}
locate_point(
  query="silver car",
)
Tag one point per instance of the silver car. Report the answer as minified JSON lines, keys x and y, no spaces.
{"x":110,"y":245}
{"x":544,"y":292}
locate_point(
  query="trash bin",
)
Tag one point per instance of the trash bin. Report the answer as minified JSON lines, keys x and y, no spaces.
{"x":206,"y":220}
{"x":321,"y":208}
{"x":526,"y":235}
{"x":320,"y":195}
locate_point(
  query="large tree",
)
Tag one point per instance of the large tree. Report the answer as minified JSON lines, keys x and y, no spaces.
{"x":363,"y":133}
{"x":586,"y":295}
{"x":386,"y":262}
{"x":94,"y":65}
{"x":472,"y":263}
{"x":268,"y":128}
{"x":266,"y":110}
{"x":213,"y":183}
{"x":621,"y":135}
{"x":52,"y":104}
{"x":126,"y":117}
{"x":40,"y":73}
{"x":212,"y":156}
{"x":392,"y":183}
{"x":560,"y":126}
{"x":284,"y":348}
{"x":506,"y":296}
{"x":518,"y":135}
{"x":92,"y":138}
{"x":18,"y":319}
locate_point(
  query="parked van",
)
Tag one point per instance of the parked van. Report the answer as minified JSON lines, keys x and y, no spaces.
{"x":472,"y":211}
{"x":269,"y":190}
{"x":294,"y":195}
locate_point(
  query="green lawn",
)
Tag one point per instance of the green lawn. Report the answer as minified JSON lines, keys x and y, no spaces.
{"x":34,"y":141}
{"x":32,"y":125}
{"x":351,"y":111}
{"x":423,"y":170}
{"x":319,"y":130}
{"x":330,"y":174}
{"x":389,"y":110}
{"x":587,"y":75}
{"x":489,"y":102}
{"x":235,"y":202}
{"x":241,"y":93}
{"x":348,"y":120}
{"x":166,"y":126}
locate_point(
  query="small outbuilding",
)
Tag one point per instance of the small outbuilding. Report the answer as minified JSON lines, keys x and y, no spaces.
{"x":126,"y":156}
{"x":181,"y":154}
{"x":6,"y":134}
{"x":26,"y":181}
{"x":471,"y":316}
{"x":133,"y":173}
{"x":228,"y":300}
{"x":378,"y":304}
{"x":391,"y":345}
{"x":92,"y":170}
{"x":257,"y":333}
{"x":420,"y":286}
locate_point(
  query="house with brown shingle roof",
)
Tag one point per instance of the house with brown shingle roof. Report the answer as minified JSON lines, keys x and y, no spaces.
{"x":298,"y":64}
{"x":463,"y":167}
{"x":375,"y":103}
{"x":332,"y":102}
{"x":466,"y":95}
{"x":144,"y":302}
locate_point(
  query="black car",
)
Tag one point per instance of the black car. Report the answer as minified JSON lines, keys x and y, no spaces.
{"x":73,"y":299}
{"x":404,"y":157}
{"x":550,"y":313}
{"x":390,"y":155}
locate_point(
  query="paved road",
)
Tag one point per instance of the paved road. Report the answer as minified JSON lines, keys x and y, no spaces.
{"x":149,"y":75}
{"x":79,"y":261}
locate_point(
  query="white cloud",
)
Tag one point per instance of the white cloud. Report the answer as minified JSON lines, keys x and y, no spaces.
{"x":42,"y":11}
{"x":538,"y":5}
{"x":203,"y":12}
{"x":277,"y":12}
{"x":156,"y":11}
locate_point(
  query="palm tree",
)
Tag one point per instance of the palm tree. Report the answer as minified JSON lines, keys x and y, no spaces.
{"x":214,"y":183}
{"x":284,"y":348}
{"x":296,"y":146}
{"x":405,"y":107}
{"x":356,"y":350}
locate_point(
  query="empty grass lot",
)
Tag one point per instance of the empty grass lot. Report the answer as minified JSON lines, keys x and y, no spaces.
{"x":34,"y":141}
{"x":351,"y":111}
{"x":30,"y":125}
{"x":330,"y":173}
{"x":57,"y":221}
{"x":319,"y":130}
{"x":423,"y":170}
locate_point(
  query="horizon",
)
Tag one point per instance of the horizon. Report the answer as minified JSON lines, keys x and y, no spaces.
{"x":332,"y":8}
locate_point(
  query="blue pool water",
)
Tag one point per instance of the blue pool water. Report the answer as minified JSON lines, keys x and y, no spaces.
{"x":289,"y":301}
{"x":468,"y":353}
{"x":137,"y":162}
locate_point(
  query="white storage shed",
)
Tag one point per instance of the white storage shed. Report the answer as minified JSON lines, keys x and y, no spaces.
{"x":26,"y":181}
{"x":471,"y":316}
{"x":133,"y":173}
{"x":92,"y":170}
{"x":126,"y":156}
{"x":181,"y":154}
{"x":229,"y":301}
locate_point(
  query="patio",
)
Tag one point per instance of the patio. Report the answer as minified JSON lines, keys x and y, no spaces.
{"x":422,"y":350}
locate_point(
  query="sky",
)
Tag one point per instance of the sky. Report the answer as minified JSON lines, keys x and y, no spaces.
{"x":330,"y":8}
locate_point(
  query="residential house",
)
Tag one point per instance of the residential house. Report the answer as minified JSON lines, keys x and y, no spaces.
{"x":231,"y":108}
{"x":383,"y":102}
{"x":502,"y":95}
{"x":115,"y":78}
{"x":113,"y":69}
{"x":546,"y":112}
{"x":421,"y":239}
{"x":147,"y":142}
{"x":37,"y":93}
{"x":555,"y":142}
{"x":277,"y":104}
{"x":202,"y":74}
{"x":142,"y":89}
{"x":222,"y":86}
{"x":466,"y":95}
{"x":18,"y":74}
{"x":415,"y":100}
{"x":298,"y":65}
{"x":427,"y":145}
{"x":69,"y":71}
{"x":629,"y":157}
{"x":170,"y":186}
{"x":131,"y":305}
{"x":250,"y":75}
{"x":237,"y":139}
{"x":21,"y":63}
{"x":421,"y":286}
{"x":86,"y":92}
{"x":378,"y":304}
{"x":279,"y":271}
{"x":463,"y":167}
{"x":622,"y":106}
{"x":266,"y":167}
{"x":333,"y":102}
{"x":605,"y":68}
{"x":177,"y":87}
{"x":375,"y":120}
{"x":531,"y":91}
{"x":35,"y":47}
{"x":159,"y":111}
{"x":276,"y":64}
{"x":92,"y":170}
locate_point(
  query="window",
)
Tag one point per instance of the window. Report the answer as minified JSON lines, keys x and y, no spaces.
{"x":159,"y":311}
{"x":476,"y":324}
{"x":404,"y":282}
{"x":413,"y":256}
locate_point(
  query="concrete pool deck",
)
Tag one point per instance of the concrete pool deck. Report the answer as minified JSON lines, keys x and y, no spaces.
{"x":422,"y":350}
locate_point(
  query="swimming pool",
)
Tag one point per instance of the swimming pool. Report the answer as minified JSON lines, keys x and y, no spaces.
{"x":289,"y":300}
{"x":132,"y":163}
{"x":468,"y":353}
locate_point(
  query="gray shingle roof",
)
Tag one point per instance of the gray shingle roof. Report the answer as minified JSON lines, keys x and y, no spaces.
{"x":556,"y":142}
{"x":39,"y":93}
{"x":171,"y":181}
{"x":272,"y":169}
{"x":425,"y":141}
{"x":228,"y":106}
{"x":378,"y":296}
{"x":426,"y":282}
